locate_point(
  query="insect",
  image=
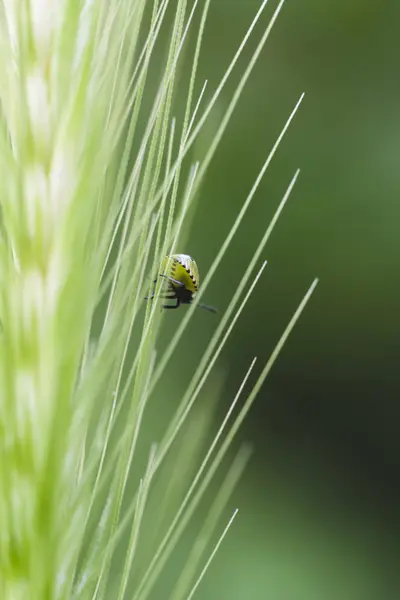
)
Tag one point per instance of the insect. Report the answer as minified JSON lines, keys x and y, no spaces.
{"x":182,"y":277}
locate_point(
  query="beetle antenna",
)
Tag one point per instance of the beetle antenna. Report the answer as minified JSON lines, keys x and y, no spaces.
{"x":207,"y":307}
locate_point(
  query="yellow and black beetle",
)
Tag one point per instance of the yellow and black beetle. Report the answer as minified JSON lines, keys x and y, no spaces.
{"x":182,"y":275}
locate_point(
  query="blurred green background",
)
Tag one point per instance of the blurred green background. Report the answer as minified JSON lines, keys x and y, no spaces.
{"x":319,"y":502}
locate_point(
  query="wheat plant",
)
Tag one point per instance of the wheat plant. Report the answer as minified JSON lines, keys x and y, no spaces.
{"x":96,"y":183}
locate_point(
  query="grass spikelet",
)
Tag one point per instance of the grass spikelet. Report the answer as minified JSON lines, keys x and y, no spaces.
{"x":96,"y":186}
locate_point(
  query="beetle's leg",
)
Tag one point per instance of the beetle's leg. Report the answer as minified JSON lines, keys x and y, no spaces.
{"x":207,"y":307}
{"x":173,"y":280}
{"x":153,"y":292}
{"x":169,"y":293}
{"x":164,"y":296}
{"x":155,"y":283}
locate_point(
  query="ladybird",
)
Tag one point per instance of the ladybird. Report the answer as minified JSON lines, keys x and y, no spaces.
{"x":182,"y":279}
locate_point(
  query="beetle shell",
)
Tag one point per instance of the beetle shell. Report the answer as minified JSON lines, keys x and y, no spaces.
{"x":182,"y":268}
